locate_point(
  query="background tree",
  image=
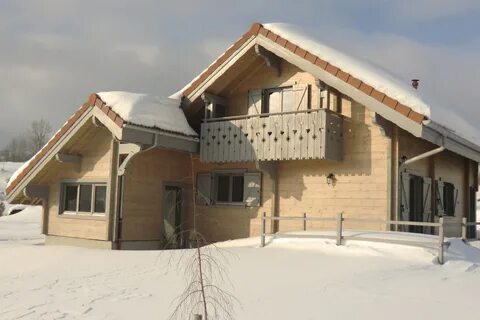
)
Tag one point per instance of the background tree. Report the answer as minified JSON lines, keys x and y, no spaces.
{"x":25,"y":145}
{"x":39,"y":134}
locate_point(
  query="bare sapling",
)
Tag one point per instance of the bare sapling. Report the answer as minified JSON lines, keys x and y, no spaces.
{"x":207,"y":284}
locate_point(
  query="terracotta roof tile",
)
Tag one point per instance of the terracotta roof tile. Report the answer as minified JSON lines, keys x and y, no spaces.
{"x":310,"y":57}
{"x":255,"y":28}
{"x":403,"y":109}
{"x":415,"y":116}
{"x":290,"y":46}
{"x":343,"y":75}
{"x":366,"y":88}
{"x":264,"y":32}
{"x":332,"y":69}
{"x":377,"y":95}
{"x":281,"y":41}
{"x":272,"y":36}
{"x":300,"y":52}
{"x":389,"y":102}
{"x":354,"y":82}
{"x":321,"y":63}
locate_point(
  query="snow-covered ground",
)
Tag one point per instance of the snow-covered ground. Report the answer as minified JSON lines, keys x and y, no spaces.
{"x":6,"y":171}
{"x":288,"y":279}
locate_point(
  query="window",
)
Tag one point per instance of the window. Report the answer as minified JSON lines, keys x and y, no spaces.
{"x":84,"y":198}
{"x":229,"y":188}
{"x":236,"y":187}
{"x":449,"y":198}
{"x":278,"y":100}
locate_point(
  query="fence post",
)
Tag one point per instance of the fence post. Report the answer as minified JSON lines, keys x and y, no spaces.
{"x":304,"y":222}
{"x":339,"y":228}
{"x":441,"y":240}
{"x":464,"y":229}
{"x":197,"y":317}
{"x":264,"y":229}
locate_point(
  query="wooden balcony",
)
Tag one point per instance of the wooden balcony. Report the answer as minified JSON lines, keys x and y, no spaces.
{"x":308,"y":134}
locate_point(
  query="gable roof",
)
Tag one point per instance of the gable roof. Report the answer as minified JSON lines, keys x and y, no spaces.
{"x":272,"y":33}
{"x":121,"y":108}
{"x":369,"y":85}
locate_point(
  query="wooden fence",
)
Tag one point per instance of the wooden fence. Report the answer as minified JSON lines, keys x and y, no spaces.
{"x":340,"y":236}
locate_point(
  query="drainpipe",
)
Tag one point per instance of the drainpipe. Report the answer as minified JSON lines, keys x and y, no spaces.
{"x":121,"y":181}
{"x":402,"y":166}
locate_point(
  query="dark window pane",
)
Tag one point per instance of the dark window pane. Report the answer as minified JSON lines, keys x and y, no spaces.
{"x":223,"y":188}
{"x":219,"y":111}
{"x":70,"y":203}
{"x":449,"y":198}
{"x":237,"y":189}
{"x":85,"y":204}
{"x":100,"y":198}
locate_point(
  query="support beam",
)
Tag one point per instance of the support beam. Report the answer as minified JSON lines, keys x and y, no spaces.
{"x":272,"y":60}
{"x":124,"y":164}
{"x":36,"y":192}
{"x":126,"y":148}
{"x":68,"y":158}
{"x":270,"y":168}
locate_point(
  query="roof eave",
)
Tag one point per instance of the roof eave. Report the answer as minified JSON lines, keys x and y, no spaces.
{"x":442,"y":136}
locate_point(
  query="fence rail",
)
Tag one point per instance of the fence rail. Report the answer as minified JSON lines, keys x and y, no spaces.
{"x":340,"y":229}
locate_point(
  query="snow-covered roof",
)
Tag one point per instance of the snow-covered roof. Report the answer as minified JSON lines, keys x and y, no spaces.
{"x":383,"y":82}
{"x":379,"y":79}
{"x":148,"y":111}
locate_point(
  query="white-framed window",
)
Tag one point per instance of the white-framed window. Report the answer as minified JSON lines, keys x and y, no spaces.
{"x":83,"y":198}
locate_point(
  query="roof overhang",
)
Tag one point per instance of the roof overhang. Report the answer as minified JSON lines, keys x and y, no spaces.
{"x":441,"y":136}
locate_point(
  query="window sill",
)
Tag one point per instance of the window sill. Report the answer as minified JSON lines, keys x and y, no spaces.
{"x":229,"y":205}
{"x":68,"y":215}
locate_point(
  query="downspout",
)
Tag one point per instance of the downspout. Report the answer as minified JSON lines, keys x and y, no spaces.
{"x":403,"y":165}
{"x":121,"y":181}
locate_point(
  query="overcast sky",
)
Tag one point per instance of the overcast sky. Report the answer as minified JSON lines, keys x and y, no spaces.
{"x":54,"y":53}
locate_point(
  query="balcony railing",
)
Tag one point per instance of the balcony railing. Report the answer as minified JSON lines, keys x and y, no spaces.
{"x":307,"y":134}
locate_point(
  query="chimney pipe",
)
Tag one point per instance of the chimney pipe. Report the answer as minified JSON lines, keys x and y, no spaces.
{"x":415,"y":83}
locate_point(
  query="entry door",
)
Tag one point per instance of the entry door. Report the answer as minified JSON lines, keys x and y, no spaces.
{"x":172,"y":216}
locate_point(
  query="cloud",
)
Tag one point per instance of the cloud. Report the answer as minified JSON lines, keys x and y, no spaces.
{"x":55,"y":52}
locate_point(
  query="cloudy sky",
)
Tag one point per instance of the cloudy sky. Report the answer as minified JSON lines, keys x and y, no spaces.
{"x":54,"y":53}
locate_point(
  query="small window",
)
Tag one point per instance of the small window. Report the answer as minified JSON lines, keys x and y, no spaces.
{"x":84,"y":198}
{"x":229,"y":188}
{"x":278,"y":100}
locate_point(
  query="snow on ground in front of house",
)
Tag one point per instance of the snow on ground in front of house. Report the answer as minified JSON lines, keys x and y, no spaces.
{"x":288,"y":279}
{"x":21,"y":228}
